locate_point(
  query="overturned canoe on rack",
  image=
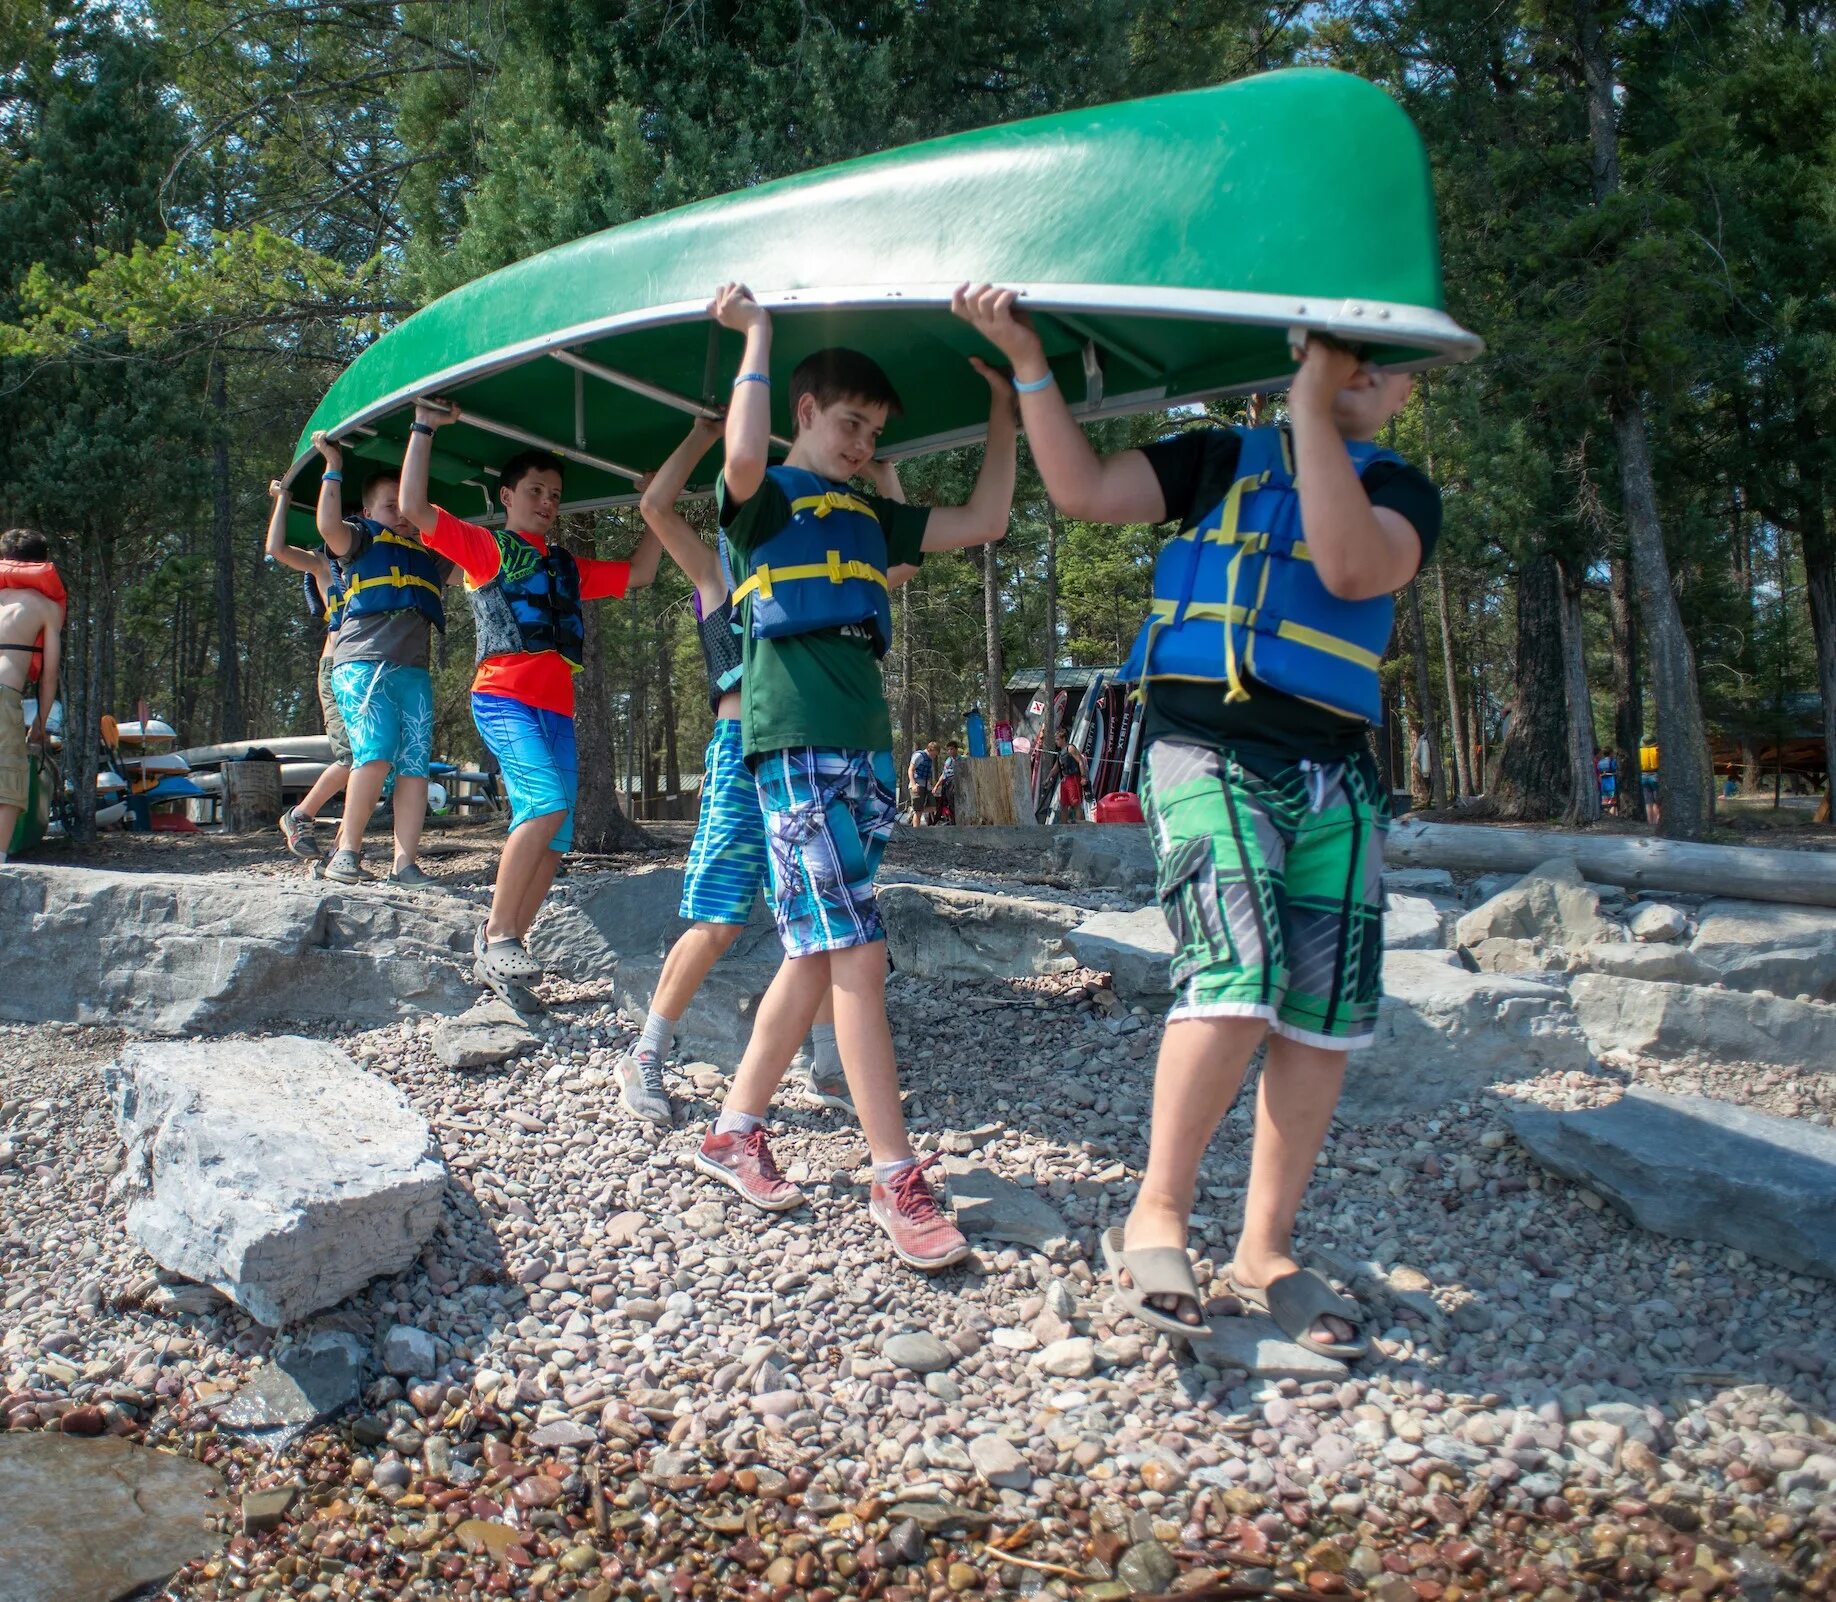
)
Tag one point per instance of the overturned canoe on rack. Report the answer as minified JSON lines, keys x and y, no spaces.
{"x":1164,"y":246}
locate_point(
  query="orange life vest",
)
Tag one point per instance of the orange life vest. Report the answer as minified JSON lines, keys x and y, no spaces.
{"x":40,"y":576}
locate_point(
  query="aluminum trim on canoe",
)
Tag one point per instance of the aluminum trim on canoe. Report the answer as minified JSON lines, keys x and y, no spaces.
{"x":1374,"y":322}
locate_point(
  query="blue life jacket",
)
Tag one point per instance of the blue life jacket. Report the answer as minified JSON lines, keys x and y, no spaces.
{"x":1236,"y":597}
{"x":394,"y":574}
{"x":532,"y":604}
{"x":326,"y":605}
{"x":825,"y":569}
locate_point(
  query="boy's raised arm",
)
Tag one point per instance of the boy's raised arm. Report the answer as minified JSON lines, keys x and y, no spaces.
{"x":687,"y":549}
{"x":1098,"y":489}
{"x":277,"y":547}
{"x":982,"y":519}
{"x":330,"y":513}
{"x":418,"y":458}
{"x":749,"y":415}
{"x":49,"y":670}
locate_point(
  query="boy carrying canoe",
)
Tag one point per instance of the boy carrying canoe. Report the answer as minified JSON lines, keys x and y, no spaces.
{"x":392,"y":605}
{"x":325,"y":600}
{"x":727,"y":858}
{"x":1272,"y":607}
{"x":526,"y":597}
{"x":31,"y":650}
{"x":812,"y":559}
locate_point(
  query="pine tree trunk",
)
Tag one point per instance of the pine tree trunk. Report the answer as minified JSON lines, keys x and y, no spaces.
{"x":1584,"y":803}
{"x":230,"y":722}
{"x":1418,"y":648}
{"x":1818,"y":544}
{"x":1684,"y":778}
{"x":1628,"y":696}
{"x":1463,"y":773}
{"x":1533,"y":763}
{"x":991,"y":623}
{"x":600,"y":824}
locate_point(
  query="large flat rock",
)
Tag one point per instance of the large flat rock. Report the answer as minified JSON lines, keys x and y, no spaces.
{"x":1703,"y":1170}
{"x":201,"y":953}
{"x":1703,"y":1024}
{"x":1134,"y":948}
{"x":1444,"y":1034}
{"x":940,"y":932}
{"x":282,"y":1175}
{"x":94,"y":1520}
{"x":1106,"y":856}
{"x":1761,"y":945}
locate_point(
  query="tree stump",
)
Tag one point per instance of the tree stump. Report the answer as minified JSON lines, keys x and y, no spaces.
{"x":993,"y":790}
{"x":251,"y":796}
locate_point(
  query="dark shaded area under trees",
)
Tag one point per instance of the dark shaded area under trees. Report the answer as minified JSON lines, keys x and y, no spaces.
{"x":206,"y":208}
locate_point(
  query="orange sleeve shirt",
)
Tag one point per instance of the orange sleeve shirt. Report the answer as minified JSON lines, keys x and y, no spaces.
{"x":541,"y":679}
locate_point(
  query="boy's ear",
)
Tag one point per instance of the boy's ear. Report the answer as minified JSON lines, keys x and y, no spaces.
{"x":807,"y":409}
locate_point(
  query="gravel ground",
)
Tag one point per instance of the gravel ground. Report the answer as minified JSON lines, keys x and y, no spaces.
{"x":642,"y":1387}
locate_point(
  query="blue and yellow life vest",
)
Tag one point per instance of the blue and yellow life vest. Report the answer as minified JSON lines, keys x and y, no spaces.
{"x":1236,"y":598}
{"x":394,"y":574}
{"x":825,"y":569}
{"x":327,"y":605}
{"x":532,"y":604}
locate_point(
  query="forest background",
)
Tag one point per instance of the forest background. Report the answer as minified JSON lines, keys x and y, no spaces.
{"x":207,"y":207}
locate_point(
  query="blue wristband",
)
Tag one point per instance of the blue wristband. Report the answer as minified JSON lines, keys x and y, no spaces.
{"x":1033,"y":386}
{"x":753,"y":378}
{"x":333,"y":477}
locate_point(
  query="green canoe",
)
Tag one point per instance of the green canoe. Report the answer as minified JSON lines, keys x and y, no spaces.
{"x":1165,"y":246}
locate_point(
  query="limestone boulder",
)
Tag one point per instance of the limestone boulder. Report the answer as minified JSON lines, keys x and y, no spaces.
{"x":1552,"y":903}
{"x":1759,"y":945}
{"x":489,"y":1032}
{"x":1411,"y":922}
{"x":1657,"y":920}
{"x":1702,"y":1170}
{"x":1420,"y":882}
{"x":1703,"y":1024}
{"x":940,"y":932}
{"x":1445,"y":1034}
{"x":280,"y":1174}
{"x":1664,"y":963}
{"x":1135,"y":948}
{"x":180,"y":954}
{"x":1508,"y":954}
{"x":1106,"y":856}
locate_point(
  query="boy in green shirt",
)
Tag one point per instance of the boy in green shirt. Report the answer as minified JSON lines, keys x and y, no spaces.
{"x":810,"y":562}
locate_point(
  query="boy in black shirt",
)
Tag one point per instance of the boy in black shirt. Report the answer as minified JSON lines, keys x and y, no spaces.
{"x":1259,"y":668}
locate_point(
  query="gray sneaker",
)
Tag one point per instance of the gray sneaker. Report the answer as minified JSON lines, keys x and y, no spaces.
{"x":296,"y":827}
{"x":641,"y":1088}
{"x":410,"y":875}
{"x":830,"y":1092}
{"x":346,"y":867}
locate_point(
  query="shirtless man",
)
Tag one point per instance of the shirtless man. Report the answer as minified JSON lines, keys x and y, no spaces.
{"x":31,"y":641}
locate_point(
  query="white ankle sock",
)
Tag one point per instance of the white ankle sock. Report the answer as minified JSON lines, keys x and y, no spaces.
{"x":825,"y":1055}
{"x":886,"y":1173}
{"x":736,"y":1123}
{"x":659,"y":1033}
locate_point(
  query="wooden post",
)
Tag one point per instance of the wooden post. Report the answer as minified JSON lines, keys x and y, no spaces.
{"x":993,"y":790}
{"x":251,"y":796}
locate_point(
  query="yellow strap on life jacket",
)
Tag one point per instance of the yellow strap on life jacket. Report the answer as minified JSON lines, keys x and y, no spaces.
{"x":835,"y":570}
{"x":832,"y":501}
{"x":395,"y":576}
{"x":1299,"y":633}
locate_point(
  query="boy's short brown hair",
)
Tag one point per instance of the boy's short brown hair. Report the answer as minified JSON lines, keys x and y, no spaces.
{"x":382,"y":475}
{"x":838,"y":374}
{"x":24,"y":545}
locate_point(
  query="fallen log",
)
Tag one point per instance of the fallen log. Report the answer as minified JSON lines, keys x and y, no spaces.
{"x":1752,"y":873}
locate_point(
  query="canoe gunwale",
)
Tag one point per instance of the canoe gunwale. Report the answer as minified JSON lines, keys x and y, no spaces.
{"x":1366,"y":321}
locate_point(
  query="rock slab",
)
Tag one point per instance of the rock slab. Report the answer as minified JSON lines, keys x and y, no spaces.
{"x":1703,"y":1024}
{"x":285,"y":1177}
{"x":1552,"y":903}
{"x":1257,"y":1346}
{"x":1444,"y":1034}
{"x":94,"y":1520}
{"x":310,"y":1381}
{"x":182,"y":954}
{"x":1703,"y":1170}
{"x":487,"y":1033}
{"x":1134,"y":948}
{"x":940,"y":932}
{"x":993,"y":1208}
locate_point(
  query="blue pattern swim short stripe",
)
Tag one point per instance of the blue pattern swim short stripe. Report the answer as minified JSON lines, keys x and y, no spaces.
{"x":828,"y":816}
{"x":726,"y":860}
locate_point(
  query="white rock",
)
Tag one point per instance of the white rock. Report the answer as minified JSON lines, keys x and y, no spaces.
{"x":1551,"y":903}
{"x":1073,"y":1358}
{"x":1657,"y":920}
{"x":1410,"y":923}
{"x":999,"y":1463}
{"x":283,"y":1176}
{"x":1134,"y":948}
{"x":1703,"y":1024}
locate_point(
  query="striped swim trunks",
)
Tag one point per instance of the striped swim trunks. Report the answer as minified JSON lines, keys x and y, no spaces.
{"x":726,"y":860}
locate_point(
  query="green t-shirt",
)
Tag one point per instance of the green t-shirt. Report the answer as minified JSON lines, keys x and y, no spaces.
{"x":820,"y":689}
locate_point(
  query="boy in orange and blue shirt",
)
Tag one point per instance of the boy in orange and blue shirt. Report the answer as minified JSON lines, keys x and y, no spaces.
{"x":526,"y":597}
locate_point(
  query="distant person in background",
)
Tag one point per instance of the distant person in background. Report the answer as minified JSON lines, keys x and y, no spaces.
{"x":31,"y":651}
{"x":325,"y":599}
{"x":946,"y":783}
{"x":1606,"y":774}
{"x":1730,"y":787}
{"x":921,"y":773}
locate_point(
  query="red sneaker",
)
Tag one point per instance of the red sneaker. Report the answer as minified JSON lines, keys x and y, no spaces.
{"x":744,"y":1163}
{"x":907,"y":1211}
